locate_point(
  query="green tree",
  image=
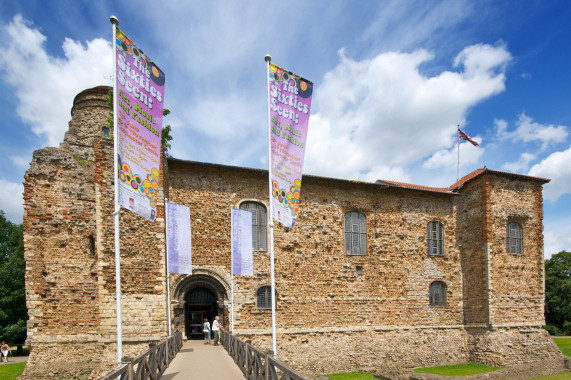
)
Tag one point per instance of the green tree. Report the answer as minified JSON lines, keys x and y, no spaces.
{"x":165,"y":133}
{"x":558,"y":289}
{"x":13,"y":312}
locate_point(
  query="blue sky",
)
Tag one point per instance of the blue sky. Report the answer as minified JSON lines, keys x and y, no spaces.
{"x":392,"y":79}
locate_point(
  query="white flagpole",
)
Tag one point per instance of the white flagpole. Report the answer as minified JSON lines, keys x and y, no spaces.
{"x":458,"y":145}
{"x":231,"y":271}
{"x":115,"y":23}
{"x":168,"y":266}
{"x":268,"y":59}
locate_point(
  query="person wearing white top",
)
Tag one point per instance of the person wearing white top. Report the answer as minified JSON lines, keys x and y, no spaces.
{"x":216,"y":327}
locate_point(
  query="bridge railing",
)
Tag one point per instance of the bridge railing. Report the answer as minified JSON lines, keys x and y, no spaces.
{"x":256,"y":365}
{"x":149,"y":365}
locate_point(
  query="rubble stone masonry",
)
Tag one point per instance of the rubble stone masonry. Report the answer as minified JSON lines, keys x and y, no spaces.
{"x":350,"y":312}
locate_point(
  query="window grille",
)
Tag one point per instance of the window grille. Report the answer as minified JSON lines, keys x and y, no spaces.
{"x":355,"y":233}
{"x":437,"y":294}
{"x":259,"y":221}
{"x":435,"y":238}
{"x":514,"y":238}
{"x":264,"y":297}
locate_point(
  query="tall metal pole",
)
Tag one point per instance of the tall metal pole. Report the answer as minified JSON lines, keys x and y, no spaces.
{"x":268,"y":59}
{"x":458,"y":145}
{"x":231,"y":271}
{"x":168,"y":265}
{"x":115,"y":23}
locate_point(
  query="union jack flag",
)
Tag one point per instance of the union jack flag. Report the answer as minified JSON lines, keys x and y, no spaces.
{"x":464,"y":136}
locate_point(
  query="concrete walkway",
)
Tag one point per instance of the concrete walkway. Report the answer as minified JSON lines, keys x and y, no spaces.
{"x":199,"y":361}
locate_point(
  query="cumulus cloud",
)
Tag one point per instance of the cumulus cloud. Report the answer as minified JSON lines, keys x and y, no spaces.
{"x":446,"y":158}
{"x":12,"y":200}
{"x":46,"y":85}
{"x":382,"y":113}
{"x":527,"y":130}
{"x":520,"y":165}
{"x":557,"y":235}
{"x":21,"y":162}
{"x":555,"y":167}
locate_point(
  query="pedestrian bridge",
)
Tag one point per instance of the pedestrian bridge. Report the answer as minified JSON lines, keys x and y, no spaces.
{"x":233,"y":359}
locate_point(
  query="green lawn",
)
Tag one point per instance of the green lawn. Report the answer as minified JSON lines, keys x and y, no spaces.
{"x":564,"y":345}
{"x":458,"y":369}
{"x":11,"y":371}
{"x":351,"y":376}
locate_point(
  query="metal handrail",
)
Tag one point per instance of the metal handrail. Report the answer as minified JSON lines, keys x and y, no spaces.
{"x":151,"y":364}
{"x":254,"y":364}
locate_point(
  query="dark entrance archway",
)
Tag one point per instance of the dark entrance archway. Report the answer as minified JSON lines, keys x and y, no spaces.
{"x":200,"y":303}
{"x":204,"y":294}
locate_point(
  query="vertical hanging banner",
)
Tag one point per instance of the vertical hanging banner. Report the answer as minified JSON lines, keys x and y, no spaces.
{"x":242,"y":258}
{"x":140,"y":91}
{"x":179,"y":246}
{"x":289,"y":102}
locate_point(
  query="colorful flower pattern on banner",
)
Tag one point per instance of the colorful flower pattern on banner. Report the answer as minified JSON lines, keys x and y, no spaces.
{"x":279,"y":76}
{"x":130,"y":50}
{"x":289,"y":199}
{"x":148,"y":187}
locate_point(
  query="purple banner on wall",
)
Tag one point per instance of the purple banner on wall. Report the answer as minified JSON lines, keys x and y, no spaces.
{"x":179,"y":245}
{"x":242,"y":258}
{"x":290,"y":102}
{"x":140,"y":91}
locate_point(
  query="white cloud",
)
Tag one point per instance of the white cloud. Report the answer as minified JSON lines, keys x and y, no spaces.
{"x":447,"y":158}
{"x":528,"y":131}
{"x":12,"y":203}
{"x":520,"y":165}
{"x":382,"y":113}
{"x":555,"y":167}
{"x":21,"y":161}
{"x":44,"y":85}
{"x":557,"y":236}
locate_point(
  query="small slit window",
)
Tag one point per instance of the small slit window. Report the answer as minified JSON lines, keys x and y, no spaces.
{"x":259,"y":220}
{"x":514,"y":238}
{"x":435,"y":238}
{"x":355,"y":233}
{"x":437,"y":294}
{"x":264,"y":296}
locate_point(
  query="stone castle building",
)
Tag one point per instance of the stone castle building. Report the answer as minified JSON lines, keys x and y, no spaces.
{"x":374,"y":275}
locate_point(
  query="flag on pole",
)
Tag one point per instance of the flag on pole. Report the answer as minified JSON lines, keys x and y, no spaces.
{"x":289,"y":104}
{"x":140,"y":89}
{"x":242,"y":258}
{"x":464,"y":136}
{"x":179,"y":246}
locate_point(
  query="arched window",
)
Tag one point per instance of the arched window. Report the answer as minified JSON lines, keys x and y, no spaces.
{"x":259,"y":220}
{"x":355,"y":233}
{"x":435,"y":238}
{"x":264,"y":296}
{"x":514,"y":238}
{"x":437,"y":294}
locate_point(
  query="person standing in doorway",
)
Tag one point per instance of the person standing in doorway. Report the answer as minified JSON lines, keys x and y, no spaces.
{"x":216,"y":330}
{"x":206,"y":331}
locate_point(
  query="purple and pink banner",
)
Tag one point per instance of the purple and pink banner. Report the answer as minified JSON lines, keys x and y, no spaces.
{"x":289,"y":102}
{"x":179,"y":245}
{"x":140,"y":92}
{"x":242,"y":254}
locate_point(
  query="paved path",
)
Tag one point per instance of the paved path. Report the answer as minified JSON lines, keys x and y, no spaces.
{"x":199,"y":361}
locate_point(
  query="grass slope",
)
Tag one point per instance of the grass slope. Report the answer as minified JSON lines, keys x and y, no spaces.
{"x":564,"y":345}
{"x":11,"y":371}
{"x":351,"y":376}
{"x":458,"y":369}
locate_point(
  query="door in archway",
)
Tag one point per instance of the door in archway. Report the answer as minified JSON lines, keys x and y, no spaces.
{"x":200,"y":303}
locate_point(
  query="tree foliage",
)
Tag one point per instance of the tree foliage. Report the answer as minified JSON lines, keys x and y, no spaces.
{"x":165,"y":132}
{"x":558,"y":290}
{"x":13,"y":312}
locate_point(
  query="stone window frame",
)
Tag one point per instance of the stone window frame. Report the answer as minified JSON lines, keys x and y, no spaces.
{"x":437,"y":299}
{"x":266,"y":305}
{"x":349,"y":234}
{"x":514,"y":244}
{"x":435,"y":242}
{"x":255,"y":227}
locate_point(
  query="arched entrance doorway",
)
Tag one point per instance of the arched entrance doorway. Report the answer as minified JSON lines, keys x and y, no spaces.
{"x":203,"y":294}
{"x":200,"y":303}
